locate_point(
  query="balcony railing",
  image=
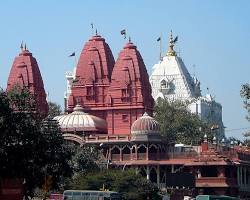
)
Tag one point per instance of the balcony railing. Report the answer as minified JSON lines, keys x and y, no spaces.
{"x":216,"y":182}
{"x":141,"y":156}
{"x":181,"y":155}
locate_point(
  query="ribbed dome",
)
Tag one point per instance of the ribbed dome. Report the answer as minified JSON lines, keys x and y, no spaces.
{"x":78,"y":120}
{"x":145,"y":125}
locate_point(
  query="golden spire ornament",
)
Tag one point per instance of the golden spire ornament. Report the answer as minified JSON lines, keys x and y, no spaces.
{"x":171,"y":51}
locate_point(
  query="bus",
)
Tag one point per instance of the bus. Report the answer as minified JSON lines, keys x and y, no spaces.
{"x":215,"y":197}
{"x":90,"y":195}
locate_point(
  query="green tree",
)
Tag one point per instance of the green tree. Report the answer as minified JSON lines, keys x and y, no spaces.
{"x":31,"y":148}
{"x":245,"y":94}
{"x":85,"y":159}
{"x":129,"y":184}
{"x":54,"y":109}
{"x":178,"y":124}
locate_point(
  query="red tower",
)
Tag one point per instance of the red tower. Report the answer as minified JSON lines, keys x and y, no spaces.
{"x":25,"y":73}
{"x":92,"y":80}
{"x":129,"y":92}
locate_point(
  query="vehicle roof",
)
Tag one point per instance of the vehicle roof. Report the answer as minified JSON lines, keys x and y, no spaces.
{"x":97,"y":191}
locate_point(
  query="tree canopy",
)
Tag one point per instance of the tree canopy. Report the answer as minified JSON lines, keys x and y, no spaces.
{"x":54,"y":109}
{"x":178,"y":124}
{"x":245,"y":94}
{"x":129,"y":184}
{"x":31,"y":148}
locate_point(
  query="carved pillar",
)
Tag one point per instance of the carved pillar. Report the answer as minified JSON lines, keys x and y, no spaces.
{"x":172,"y":168}
{"x":121,"y":154}
{"x":147,"y":152}
{"x":158,"y":176}
{"x":245,"y":176}
{"x":248,"y":177}
{"x":199,"y":173}
{"x":131,"y":154}
{"x":238,"y":175}
{"x":241,"y":175}
{"x":158,"y":153}
{"x":148,"y":173}
{"x":136,"y":152}
{"x":221,"y":171}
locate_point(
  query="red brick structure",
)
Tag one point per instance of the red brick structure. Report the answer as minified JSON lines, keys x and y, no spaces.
{"x":129,"y":93}
{"x":25,"y":73}
{"x":92,"y":79}
{"x":119,"y":93}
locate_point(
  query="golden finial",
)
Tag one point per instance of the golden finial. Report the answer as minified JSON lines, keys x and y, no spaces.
{"x":171,"y":51}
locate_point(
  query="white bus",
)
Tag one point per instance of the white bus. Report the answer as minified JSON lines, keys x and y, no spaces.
{"x":90,"y":195}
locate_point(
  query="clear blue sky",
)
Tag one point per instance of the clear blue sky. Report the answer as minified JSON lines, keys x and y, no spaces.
{"x":214,"y":35}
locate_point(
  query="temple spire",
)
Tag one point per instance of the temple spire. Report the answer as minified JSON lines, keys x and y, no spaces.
{"x":171,"y":51}
{"x":21,"y":46}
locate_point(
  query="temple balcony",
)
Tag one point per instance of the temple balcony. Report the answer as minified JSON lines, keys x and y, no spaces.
{"x":216,"y":182}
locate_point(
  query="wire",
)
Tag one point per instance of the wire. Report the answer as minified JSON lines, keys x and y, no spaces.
{"x":237,"y":129}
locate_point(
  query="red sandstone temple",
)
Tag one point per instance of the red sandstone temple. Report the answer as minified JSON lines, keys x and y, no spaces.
{"x":112,"y":106}
{"x":109,"y":104}
{"x":25,"y":73}
{"x":118,"y":92}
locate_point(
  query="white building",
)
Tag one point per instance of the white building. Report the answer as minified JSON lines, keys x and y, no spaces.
{"x":170,"y":79}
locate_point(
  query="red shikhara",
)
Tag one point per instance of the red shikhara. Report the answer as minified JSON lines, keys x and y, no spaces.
{"x":25,"y":73}
{"x":118,"y":92}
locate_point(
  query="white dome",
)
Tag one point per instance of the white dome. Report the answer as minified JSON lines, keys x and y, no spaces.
{"x":145,"y":128}
{"x":81,"y":121}
{"x":145,"y":124}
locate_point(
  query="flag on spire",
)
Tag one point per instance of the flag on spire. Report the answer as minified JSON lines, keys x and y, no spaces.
{"x":176,"y":39}
{"x":123,"y":32}
{"x":73,"y":54}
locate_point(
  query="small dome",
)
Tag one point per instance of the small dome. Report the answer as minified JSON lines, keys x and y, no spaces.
{"x":145,"y":125}
{"x":80,"y":121}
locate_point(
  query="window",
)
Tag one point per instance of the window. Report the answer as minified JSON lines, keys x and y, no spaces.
{"x":78,"y":100}
{"x":89,"y":91}
{"x":124,"y":118}
{"x":163,"y":84}
{"x":124,"y":92}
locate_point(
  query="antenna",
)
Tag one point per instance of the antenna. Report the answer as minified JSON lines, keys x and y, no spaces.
{"x":160,"y":47}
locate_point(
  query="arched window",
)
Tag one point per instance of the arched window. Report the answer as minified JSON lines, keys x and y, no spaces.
{"x":163,"y":84}
{"x":126,"y":153}
{"x":152,"y":152}
{"x":115,"y":153}
{"x":142,"y":152}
